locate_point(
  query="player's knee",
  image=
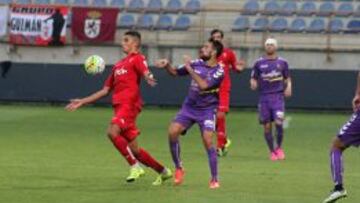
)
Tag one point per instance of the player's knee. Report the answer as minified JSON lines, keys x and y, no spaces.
{"x":279,"y":122}
{"x":267,"y":128}
{"x":220,"y":115}
{"x":112,"y":132}
{"x":338,"y":144}
{"x":174,"y":131}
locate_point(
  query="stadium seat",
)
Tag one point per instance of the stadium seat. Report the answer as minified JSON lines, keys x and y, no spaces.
{"x":42,"y":2}
{"x":5,"y":1}
{"x":154,"y":6}
{"x":241,"y":24}
{"x":126,"y":21}
{"x":23,"y":1}
{"x":182,"y":23}
{"x":345,"y":9}
{"x":62,"y":2}
{"x":335,"y":25}
{"x":99,"y":3}
{"x":118,"y":4}
{"x":353,"y":26}
{"x":136,"y":6}
{"x":357,"y":11}
{"x":173,"y":6}
{"x":288,"y":8}
{"x":145,"y":22}
{"x":164,"y":23}
{"x":250,"y":8}
{"x":279,"y":25}
{"x":81,"y":2}
{"x":316,"y":26}
{"x":297,"y":25}
{"x":271,"y":8}
{"x":192,"y":7}
{"x":307,"y":9}
{"x":261,"y":24}
{"x":326,"y":9}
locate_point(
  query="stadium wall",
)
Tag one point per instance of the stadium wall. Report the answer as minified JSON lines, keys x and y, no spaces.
{"x":35,"y":82}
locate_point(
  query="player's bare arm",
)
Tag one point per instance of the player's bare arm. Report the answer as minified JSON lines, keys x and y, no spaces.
{"x":77,"y":103}
{"x":240,"y":66}
{"x":203,"y":85}
{"x":165,"y":64}
{"x":356,"y":100}
{"x":288,"y":90}
{"x":150,"y":79}
{"x":253,"y":84}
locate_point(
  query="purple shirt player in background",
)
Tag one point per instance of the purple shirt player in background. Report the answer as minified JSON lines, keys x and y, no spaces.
{"x":270,"y":76}
{"x":349,"y":135}
{"x":199,"y":106}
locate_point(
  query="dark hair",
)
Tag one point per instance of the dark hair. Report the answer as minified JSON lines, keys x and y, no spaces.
{"x":134,"y":33}
{"x":219,"y":47}
{"x":217,"y":30}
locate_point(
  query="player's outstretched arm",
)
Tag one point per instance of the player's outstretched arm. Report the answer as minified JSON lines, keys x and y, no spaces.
{"x":150,"y":79}
{"x":77,"y":103}
{"x":203,"y":84}
{"x":288,"y":90}
{"x":356,"y":100}
{"x":253,"y":84}
{"x":165,"y":64}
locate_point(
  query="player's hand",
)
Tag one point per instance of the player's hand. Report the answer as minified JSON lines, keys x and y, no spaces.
{"x":187,"y":59}
{"x":253,"y":84}
{"x":74,"y":104}
{"x":288,"y":92}
{"x":151,"y":80}
{"x":356,"y":102}
{"x":240,"y":66}
{"x":161,"y":63}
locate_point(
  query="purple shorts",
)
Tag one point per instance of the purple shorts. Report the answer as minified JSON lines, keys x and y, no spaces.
{"x":271,"y":107}
{"x":349,"y":134}
{"x":187,"y":116}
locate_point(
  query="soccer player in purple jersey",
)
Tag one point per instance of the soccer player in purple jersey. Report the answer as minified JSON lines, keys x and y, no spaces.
{"x":349,"y":135}
{"x":199,"y":106}
{"x":271,"y":76}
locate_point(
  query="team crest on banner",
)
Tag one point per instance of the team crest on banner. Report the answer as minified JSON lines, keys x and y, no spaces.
{"x":92,"y":25}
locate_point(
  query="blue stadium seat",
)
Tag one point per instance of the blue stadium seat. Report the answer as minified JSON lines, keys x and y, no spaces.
{"x":251,"y":8}
{"x":307,"y":9}
{"x":145,"y":22}
{"x":353,"y":26}
{"x":297,"y":25}
{"x":182,"y":23}
{"x":62,"y":2}
{"x":23,"y":1}
{"x":288,"y":8}
{"x":271,"y":8}
{"x":5,"y":1}
{"x":81,"y":2}
{"x":326,"y":9}
{"x":345,"y":9}
{"x":173,"y":6}
{"x":164,"y":23}
{"x":241,"y":24}
{"x":154,"y":6}
{"x":192,"y":7}
{"x":136,"y":6}
{"x":316,"y":26}
{"x":336,"y":25}
{"x":42,"y":2}
{"x":118,"y":4}
{"x":126,"y":21}
{"x":357,"y":11}
{"x":279,"y":25}
{"x":99,"y":3}
{"x":261,"y":24}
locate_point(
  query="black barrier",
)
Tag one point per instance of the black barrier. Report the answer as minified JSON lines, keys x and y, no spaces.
{"x":313,"y":89}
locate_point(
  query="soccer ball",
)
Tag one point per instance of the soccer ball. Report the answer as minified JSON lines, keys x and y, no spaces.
{"x":94,"y":65}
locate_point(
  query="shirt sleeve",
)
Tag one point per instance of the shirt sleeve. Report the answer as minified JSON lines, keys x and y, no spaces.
{"x":181,"y":70}
{"x":255,"y":71}
{"x":141,"y":65}
{"x":109,"y":82}
{"x":286,"y":72}
{"x":216,"y":78}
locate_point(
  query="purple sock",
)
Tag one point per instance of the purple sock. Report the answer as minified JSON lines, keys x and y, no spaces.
{"x":336,"y":166}
{"x":175,"y":153}
{"x":269,"y":141}
{"x":279,"y":135}
{"x":213,"y":163}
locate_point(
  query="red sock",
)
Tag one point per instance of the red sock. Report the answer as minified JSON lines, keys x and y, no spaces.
{"x":145,"y":158}
{"x":122,"y":146}
{"x":220,"y":131}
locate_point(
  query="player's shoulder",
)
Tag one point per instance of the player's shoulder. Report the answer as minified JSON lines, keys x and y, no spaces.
{"x":138,"y":57}
{"x":197,"y":62}
{"x":281,"y":59}
{"x":259,"y":60}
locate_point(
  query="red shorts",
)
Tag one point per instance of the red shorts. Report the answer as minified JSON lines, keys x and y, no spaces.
{"x":125,"y":118}
{"x":224,"y":100}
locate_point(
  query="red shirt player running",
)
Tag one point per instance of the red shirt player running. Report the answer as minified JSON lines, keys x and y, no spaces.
{"x":229,"y":61}
{"x":124,"y":82}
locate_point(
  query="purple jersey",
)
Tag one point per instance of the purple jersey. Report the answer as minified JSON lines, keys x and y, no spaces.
{"x":203,"y":99}
{"x":270,"y":74}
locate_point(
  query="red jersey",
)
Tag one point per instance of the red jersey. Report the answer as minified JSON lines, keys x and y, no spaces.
{"x":228,"y":60}
{"x":124,"y":80}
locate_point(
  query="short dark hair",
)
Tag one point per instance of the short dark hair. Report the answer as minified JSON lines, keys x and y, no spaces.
{"x":219,"y":47}
{"x":134,"y":33}
{"x":217,"y":31}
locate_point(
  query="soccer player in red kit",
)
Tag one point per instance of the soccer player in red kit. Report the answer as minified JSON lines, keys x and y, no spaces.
{"x":229,"y":61}
{"x":124,"y":83}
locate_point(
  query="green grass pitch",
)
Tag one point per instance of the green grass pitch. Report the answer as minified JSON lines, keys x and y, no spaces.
{"x":50,"y":155}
